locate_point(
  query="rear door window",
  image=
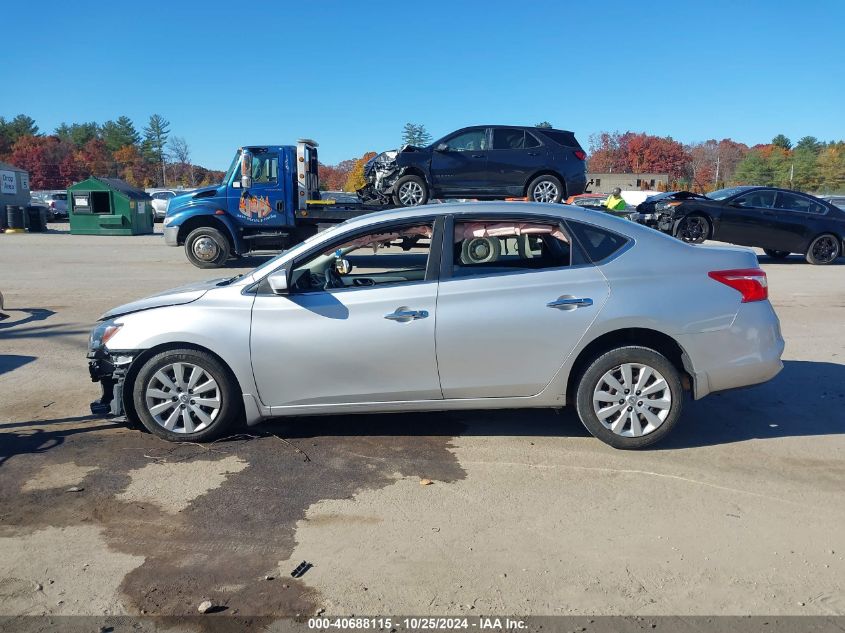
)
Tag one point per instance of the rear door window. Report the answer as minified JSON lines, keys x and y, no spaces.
{"x":567,"y":139}
{"x":504,"y":138}
{"x":800,"y":204}
{"x":598,"y":243}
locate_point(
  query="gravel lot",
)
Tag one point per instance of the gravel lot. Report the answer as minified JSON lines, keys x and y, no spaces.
{"x":740,"y":511}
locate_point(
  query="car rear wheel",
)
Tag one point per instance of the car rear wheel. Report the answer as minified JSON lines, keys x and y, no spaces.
{"x":630,"y":397}
{"x":825,"y":249}
{"x":545,"y":189}
{"x":186,"y":395}
{"x":776,"y":254}
{"x":693,"y":229}
{"x":207,"y":247}
{"x":410,"y":191}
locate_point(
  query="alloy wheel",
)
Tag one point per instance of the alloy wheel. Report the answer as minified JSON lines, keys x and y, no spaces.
{"x":825,"y":249}
{"x":693,"y":229}
{"x":545,"y":191}
{"x":632,"y":400}
{"x":183,"y":398}
{"x":410,"y":194}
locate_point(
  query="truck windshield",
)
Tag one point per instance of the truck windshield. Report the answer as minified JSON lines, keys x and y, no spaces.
{"x":235,"y":162}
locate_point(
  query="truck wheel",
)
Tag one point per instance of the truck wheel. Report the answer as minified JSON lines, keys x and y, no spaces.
{"x":185,"y":395}
{"x":545,"y":189}
{"x":207,"y":247}
{"x":410,"y":191}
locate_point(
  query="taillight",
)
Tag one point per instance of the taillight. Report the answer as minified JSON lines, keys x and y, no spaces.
{"x":580,"y":154}
{"x":751,"y":283}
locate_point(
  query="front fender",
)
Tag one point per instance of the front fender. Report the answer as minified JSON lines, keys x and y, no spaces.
{"x":206,"y":215}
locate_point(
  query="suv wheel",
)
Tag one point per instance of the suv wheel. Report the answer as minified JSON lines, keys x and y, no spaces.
{"x":545,"y":189}
{"x":825,"y":249}
{"x":410,"y":191}
{"x":207,"y":247}
{"x":630,"y":397}
{"x":185,"y":395}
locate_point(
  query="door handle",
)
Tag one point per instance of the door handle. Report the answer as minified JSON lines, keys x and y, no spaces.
{"x":478,"y":155}
{"x":404,"y":316}
{"x":533,"y":154}
{"x":570,"y":303}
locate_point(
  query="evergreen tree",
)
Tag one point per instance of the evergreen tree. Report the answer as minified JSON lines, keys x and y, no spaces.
{"x":155,"y":142}
{"x":119,"y":133}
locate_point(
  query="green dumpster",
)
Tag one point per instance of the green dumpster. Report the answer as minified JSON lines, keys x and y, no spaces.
{"x":108,"y":206}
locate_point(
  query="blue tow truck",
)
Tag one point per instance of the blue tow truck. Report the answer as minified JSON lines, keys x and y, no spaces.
{"x":269,"y":200}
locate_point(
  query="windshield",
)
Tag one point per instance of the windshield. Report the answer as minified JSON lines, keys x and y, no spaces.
{"x":235,"y":162}
{"x":721,"y":194}
{"x":271,"y":263}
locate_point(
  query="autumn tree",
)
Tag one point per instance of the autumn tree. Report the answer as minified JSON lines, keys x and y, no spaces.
{"x":355,"y":180}
{"x":181,"y":152}
{"x":41,"y":156}
{"x":831,"y":166}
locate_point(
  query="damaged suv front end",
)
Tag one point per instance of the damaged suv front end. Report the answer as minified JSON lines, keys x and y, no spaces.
{"x":383,"y":170}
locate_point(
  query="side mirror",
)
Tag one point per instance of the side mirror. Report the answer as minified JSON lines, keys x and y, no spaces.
{"x":342,"y":266}
{"x":278,"y":282}
{"x":441,"y":147}
{"x":246,"y":169}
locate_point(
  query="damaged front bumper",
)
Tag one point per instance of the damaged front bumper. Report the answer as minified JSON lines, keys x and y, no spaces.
{"x":109,"y":369}
{"x":380,"y":173}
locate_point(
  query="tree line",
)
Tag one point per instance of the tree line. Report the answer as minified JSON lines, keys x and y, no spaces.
{"x":151,"y":157}
{"x":810,"y":165}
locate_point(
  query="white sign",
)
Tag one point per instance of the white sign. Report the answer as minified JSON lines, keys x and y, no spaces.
{"x":80,"y":201}
{"x":24,"y":181}
{"x":142,"y":206}
{"x":8,"y":183}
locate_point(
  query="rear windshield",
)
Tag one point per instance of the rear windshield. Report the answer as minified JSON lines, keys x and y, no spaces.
{"x":567,"y":139}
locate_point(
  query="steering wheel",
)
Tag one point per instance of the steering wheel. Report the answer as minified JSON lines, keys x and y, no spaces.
{"x":333,"y":279}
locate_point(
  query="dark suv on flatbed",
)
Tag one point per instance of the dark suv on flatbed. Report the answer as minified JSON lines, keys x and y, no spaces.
{"x":486,"y":162}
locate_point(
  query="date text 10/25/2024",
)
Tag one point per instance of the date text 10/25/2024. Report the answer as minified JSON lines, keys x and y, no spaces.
{"x":417,"y":624}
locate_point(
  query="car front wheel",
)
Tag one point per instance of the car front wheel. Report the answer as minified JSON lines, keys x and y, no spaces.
{"x":545,"y":189}
{"x":410,"y":191}
{"x":693,"y":229}
{"x":186,"y":395}
{"x":825,"y":249}
{"x":630,"y":397}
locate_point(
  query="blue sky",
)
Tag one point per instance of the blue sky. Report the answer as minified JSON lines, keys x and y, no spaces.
{"x":350,"y":74}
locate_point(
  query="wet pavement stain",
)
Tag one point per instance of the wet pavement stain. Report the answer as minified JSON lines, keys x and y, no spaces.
{"x":225,"y":541}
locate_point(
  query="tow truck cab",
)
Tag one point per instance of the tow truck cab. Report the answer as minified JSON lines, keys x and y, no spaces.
{"x":269,"y":199}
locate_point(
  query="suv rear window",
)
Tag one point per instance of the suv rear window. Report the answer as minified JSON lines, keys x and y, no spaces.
{"x":599,"y":244}
{"x":567,"y":139}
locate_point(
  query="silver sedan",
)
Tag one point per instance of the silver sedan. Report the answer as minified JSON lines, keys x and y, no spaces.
{"x":467,"y":306}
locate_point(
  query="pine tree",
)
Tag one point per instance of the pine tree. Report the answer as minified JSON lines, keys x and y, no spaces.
{"x":155,"y":141}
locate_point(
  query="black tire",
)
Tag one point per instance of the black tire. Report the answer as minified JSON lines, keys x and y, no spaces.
{"x":228,"y":394}
{"x":592,"y":378}
{"x":206,"y":247}
{"x":824,"y":249}
{"x":693,"y":229}
{"x":545,"y":188}
{"x":410,"y":191}
{"x":776,"y":254}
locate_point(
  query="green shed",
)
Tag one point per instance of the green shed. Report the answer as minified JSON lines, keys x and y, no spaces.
{"x":108,"y":206}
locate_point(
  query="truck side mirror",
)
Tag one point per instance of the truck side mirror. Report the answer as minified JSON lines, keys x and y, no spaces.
{"x":441,"y":147}
{"x":246,"y":169}
{"x":278,"y":281}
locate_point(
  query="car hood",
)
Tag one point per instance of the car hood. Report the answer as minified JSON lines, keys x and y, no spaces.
{"x":174,"y":297}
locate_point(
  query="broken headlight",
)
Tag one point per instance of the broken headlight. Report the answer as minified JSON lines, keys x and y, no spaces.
{"x":101,"y":334}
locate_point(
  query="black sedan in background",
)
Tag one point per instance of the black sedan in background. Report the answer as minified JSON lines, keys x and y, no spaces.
{"x":779,"y":221}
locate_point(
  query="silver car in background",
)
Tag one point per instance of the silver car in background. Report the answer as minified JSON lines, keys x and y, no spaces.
{"x":454,"y":306}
